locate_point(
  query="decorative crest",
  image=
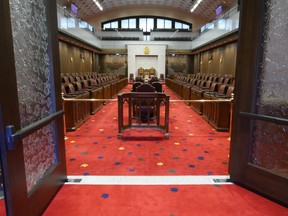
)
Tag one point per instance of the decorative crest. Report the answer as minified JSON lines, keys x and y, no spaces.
{"x":146,"y":50}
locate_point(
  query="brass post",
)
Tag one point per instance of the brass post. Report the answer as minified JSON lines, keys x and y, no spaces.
{"x":63,"y":106}
{"x":231,"y":114}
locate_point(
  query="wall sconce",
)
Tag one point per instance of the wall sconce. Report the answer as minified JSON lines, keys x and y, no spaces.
{"x":210,"y":59}
{"x":71,"y":59}
{"x":221,"y":60}
{"x":82,"y":57}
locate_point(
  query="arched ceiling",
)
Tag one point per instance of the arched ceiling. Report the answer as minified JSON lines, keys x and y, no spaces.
{"x":205,"y":10}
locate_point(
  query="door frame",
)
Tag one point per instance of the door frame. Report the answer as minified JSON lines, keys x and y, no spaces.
{"x":249,"y":56}
{"x":18,"y":202}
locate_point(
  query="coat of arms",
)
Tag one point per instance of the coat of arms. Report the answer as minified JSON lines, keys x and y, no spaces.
{"x":146,"y":50}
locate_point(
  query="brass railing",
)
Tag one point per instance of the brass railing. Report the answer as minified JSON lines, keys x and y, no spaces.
{"x":135,"y":109}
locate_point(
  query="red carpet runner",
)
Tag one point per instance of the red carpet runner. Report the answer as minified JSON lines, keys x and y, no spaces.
{"x":209,"y":200}
{"x":194,"y":147}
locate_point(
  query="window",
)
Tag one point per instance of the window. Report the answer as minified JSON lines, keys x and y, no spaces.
{"x":168,"y":24}
{"x":185,"y":26}
{"x":107,"y":26}
{"x":143,"y":24}
{"x":160,"y":23}
{"x":90,"y":28}
{"x":71,"y":23}
{"x":132,"y":23}
{"x":128,"y":23}
{"x":150,"y":24}
{"x":210,"y":25}
{"x":203,"y":28}
{"x":83,"y":24}
{"x":229,"y":25}
{"x":63,"y":23}
{"x":178,"y":25}
{"x":114,"y":24}
{"x":125,"y":23}
{"x":147,"y":23}
{"x":221,"y":24}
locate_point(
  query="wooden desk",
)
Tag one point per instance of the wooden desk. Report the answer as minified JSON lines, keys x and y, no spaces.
{"x":157,"y":100}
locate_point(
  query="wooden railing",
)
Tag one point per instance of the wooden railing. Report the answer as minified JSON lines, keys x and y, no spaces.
{"x":142,"y":109}
{"x":79,"y":107}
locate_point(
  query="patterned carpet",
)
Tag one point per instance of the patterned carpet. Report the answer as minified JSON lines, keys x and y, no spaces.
{"x":194,"y":147}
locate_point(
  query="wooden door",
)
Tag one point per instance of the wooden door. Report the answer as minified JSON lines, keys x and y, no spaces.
{"x":259,"y":150}
{"x":31,"y":115}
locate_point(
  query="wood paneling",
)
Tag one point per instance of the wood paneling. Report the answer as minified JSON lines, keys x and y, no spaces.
{"x":196,"y":66}
{"x":216,"y":62}
{"x":219,"y":60}
{"x":86,"y":61}
{"x":112,"y":63}
{"x":179,"y":64}
{"x":64,"y":58}
{"x":74,"y":59}
{"x":204,"y":62}
{"x":229,"y":59}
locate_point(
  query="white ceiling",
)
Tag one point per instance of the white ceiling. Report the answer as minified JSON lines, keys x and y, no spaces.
{"x":206,"y":9}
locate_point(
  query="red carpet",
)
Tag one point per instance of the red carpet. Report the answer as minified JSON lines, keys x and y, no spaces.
{"x":194,"y":148}
{"x":2,"y":207}
{"x":228,"y":200}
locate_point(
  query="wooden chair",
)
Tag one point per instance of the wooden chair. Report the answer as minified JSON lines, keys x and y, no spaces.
{"x":135,"y":85}
{"x":145,"y":87}
{"x":139,"y":79}
{"x":228,"y":93}
{"x":144,"y":108}
{"x":157,"y":86}
{"x":153,"y":79}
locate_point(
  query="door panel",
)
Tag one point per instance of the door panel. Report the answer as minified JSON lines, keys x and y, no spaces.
{"x":32,"y":147}
{"x":259,"y":150}
{"x":269,"y":147}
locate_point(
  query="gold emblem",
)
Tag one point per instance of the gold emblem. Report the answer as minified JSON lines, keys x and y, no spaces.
{"x":146,"y":50}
